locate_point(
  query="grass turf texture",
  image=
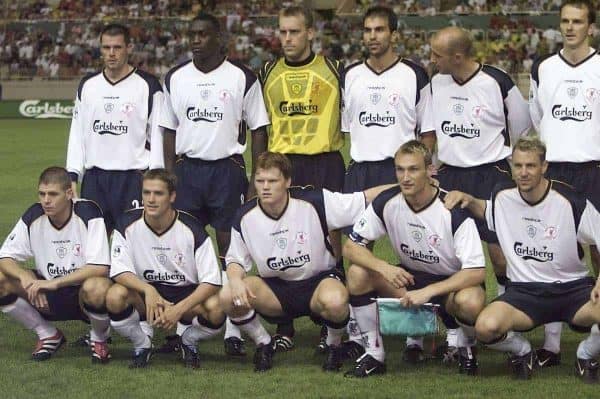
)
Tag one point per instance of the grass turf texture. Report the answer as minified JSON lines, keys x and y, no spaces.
{"x":26,"y":147}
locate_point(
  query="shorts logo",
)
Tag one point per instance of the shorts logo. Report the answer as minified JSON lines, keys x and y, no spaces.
{"x":162,"y":259}
{"x":375,"y":98}
{"x":458,"y":109}
{"x":116,"y":252}
{"x":108,"y":107}
{"x":572,"y":92}
{"x":205,"y":94}
{"x":282,"y":264}
{"x":77,"y":249}
{"x":281,"y":242}
{"x":531,"y":231}
{"x":163,"y":277}
{"x":434,"y":240}
{"x":301,"y":237}
{"x":416,"y":235}
{"x":550,"y":233}
{"x":61,"y":252}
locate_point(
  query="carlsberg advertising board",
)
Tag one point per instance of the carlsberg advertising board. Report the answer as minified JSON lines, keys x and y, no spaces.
{"x":36,"y":109}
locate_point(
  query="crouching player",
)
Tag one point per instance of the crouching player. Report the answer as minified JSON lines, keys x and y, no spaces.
{"x":540,"y":224}
{"x":441,"y":260}
{"x":68,"y":242}
{"x":166,"y":271}
{"x":285,"y":232}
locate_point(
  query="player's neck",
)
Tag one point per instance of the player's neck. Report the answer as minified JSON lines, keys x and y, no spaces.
{"x":208,"y":64}
{"x":114,"y":75}
{"x":576,"y":55}
{"x":466,"y":71}
{"x":534,"y":196}
{"x":422,"y":199}
{"x":60,"y":219}
{"x":160,"y":224}
{"x":382,"y":62}
{"x":304,"y":59}
{"x":275,"y":210}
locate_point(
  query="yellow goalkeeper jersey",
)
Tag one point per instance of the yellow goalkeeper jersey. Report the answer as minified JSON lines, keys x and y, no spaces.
{"x":303,"y":102}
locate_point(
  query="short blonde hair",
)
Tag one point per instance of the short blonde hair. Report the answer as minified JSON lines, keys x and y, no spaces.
{"x":531,"y":144}
{"x":415,"y":147}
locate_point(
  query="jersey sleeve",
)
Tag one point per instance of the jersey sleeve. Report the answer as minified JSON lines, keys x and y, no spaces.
{"x":168,"y":117}
{"x":96,"y":251}
{"x":155,"y":132}
{"x":17,"y":245}
{"x":535,"y":109}
{"x":342,"y":210}
{"x":346,"y":116}
{"x":425,"y":120}
{"x":467,"y":245}
{"x":518,"y":118}
{"x":238,"y":251}
{"x":254,"y":111}
{"x":120,"y":256}
{"x":489,"y":215}
{"x":208,"y":267}
{"x":587,"y":232}
{"x":368,"y":228}
{"x":75,"y":148}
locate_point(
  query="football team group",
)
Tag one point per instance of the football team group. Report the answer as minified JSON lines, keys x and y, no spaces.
{"x":438,"y":164}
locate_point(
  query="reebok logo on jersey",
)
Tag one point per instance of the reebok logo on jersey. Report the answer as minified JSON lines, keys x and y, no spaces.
{"x":293,"y":109}
{"x":282,"y":264}
{"x":454,"y":130}
{"x":163,"y":277}
{"x":529,"y":253}
{"x":570,"y":113}
{"x":197,"y":115}
{"x":369,"y":119}
{"x":420,"y":256}
{"x":59,"y":271}
{"x":115,"y":129}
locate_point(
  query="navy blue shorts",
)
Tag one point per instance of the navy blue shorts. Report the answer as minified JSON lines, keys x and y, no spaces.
{"x":324,"y":170}
{"x":63,"y":305}
{"x":295,"y":296}
{"x":549,"y":302}
{"x":115,"y":191}
{"x":363,"y":175}
{"x":212,"y":191}
{"x":584,"y":177}
{"x":174,"y":293}
{"x":422,"y":280}
{"x":478,"y":181}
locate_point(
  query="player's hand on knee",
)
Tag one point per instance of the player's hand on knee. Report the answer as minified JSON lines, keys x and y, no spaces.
{"x":40,"y":301}
{"x":397,"y":276}
{"x":155,"y":305}
{"x":415,"y":298}
{"x":240,"y":294}
{"x":170,"y":316}
{"x":457,"y":198}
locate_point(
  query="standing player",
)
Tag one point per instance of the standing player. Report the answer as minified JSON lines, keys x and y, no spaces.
{"x":114,"y":133}
{"x":68,"y":242}
{"x":478,"y":112}
{"x":540,"y":225}
{"x":207,"y":99}
{"x":441,"y":259}
{"x":302,"y":94}
{"x":565,"y":110}
{"x":286,"y":233}
{"x":387,"y":102}
{"x":165,"y":269}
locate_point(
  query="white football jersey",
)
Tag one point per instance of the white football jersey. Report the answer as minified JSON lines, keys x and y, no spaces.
{"x":206,"y":109}
{"x":59,"y":251}
{"x":564,"y":102}
{"x":182,"y":255}
{"x":384,"y":110}
{"x":541,"y":241}
{"x":433,"y":239}
{"x":477,"y":120}
{"x":115,"y":125}
{"x":295,"y":246}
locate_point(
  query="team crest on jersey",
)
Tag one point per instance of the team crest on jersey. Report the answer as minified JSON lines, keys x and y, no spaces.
{"x":61,"y":252}
{"x":394,"y":99}
{"x":108,"y":107}
{"x":550,"y":233}
{"x":127,"y":108}
{"x":281,"y":242}
{"x":434,"y":240}
{"x":178,"y":259}
{"x":301,"y":237}
{"x":531,"y":231}
{"x":224,"y":96}
{"x":162,"y":259}
{"x":116,"y":252}
{"x":77,"y":249}
{"x":572,"y":92}
{"x":296,"y":88}
{"x":416,"y":235}
{"x":477,"y":111}
{"x":375,"y":98}
{"x":205,"y":94}
{"x":458,"y":109}
{"x":591,"y":95}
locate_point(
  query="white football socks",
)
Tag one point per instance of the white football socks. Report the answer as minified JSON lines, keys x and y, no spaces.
{"x":30,"y":318}
{"x":552,"y":333}
{"x":131,"y":328}
{"x":589,"y":348}
{"x":366,"y":318}
{"x":250,"y":324}
{"x":514,"y":343}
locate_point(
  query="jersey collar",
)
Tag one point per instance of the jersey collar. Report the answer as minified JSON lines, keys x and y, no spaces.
{"x":541,"y":199}
{"x":282,"y":212}
{"x":592,"y":53}
{"x":307,"y":61}
{"x":67,"y":221}
{"x":120,"y":80}
{"x":469,"y":78}
{"x":437,"y":194}
{"x":393,"y":64}
{"x":167,"y":229}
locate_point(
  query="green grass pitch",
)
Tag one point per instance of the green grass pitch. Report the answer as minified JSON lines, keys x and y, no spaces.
{"x":26,"y":147}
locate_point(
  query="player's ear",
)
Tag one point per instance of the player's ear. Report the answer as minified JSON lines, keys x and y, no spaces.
{"x":544,"y":167}
{"x":288,"y":182}
{"x":69,"y":193}
{"x":311,"y":33}
{"x":172,"y":197}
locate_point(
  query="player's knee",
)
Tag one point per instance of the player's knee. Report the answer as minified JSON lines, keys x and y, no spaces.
{"x":357,"y":280}
{"x":487,"y":328}
{"x":225,"y":298}
{"x":94,"y":290}
{"x":4,"y":285}
{"x":468,"y":304}
{"x":116,"y":298}
{"x":334,"y":302}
